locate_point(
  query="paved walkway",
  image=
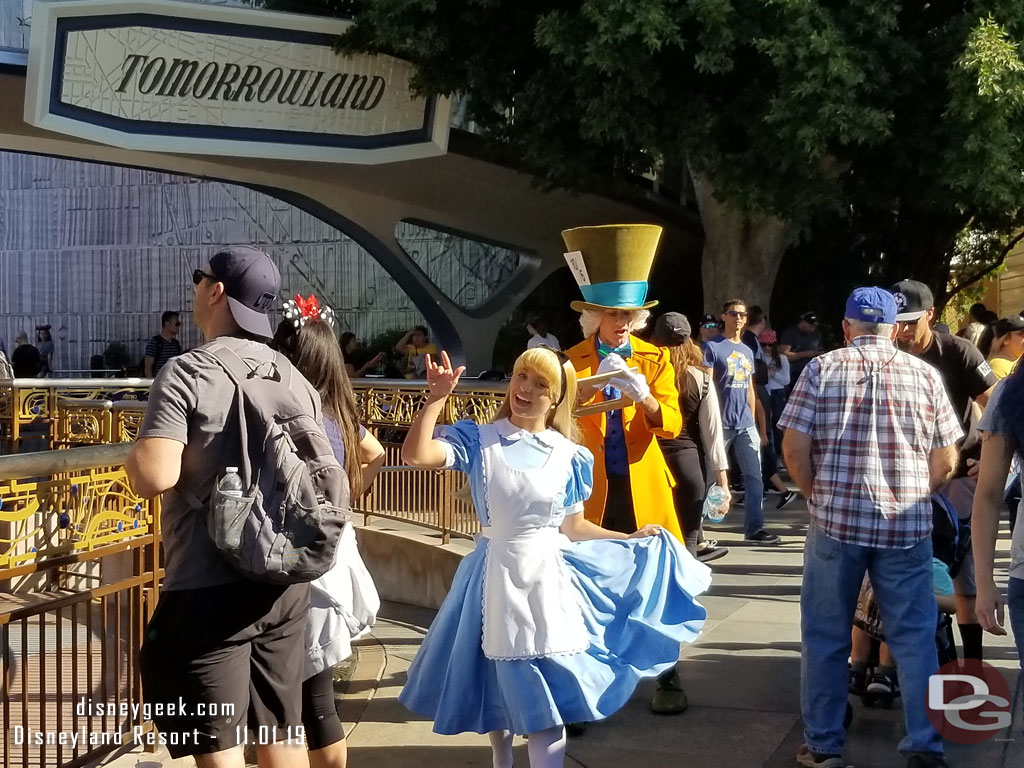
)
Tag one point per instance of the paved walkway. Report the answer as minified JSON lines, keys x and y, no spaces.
{"x":742,"y":677}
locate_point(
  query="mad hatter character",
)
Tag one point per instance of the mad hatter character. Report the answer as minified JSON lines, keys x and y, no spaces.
{"x":632,"y":482}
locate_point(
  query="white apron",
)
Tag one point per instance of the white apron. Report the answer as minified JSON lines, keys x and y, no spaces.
{"x":530,"y":606}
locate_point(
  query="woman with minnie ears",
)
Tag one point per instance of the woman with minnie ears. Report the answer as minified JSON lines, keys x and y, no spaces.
{"x":343,"y":602}
{"x":551,"y":619}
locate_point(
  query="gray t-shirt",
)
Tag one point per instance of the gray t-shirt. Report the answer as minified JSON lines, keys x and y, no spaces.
{"x":192,"y":402}
{"x":993,"y":421}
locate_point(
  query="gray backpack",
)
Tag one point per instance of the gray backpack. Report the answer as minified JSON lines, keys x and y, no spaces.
{"x":284,"y":525}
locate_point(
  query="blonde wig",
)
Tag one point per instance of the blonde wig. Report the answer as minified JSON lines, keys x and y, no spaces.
{"x":590,"y":320}
{"x":555,"y":370}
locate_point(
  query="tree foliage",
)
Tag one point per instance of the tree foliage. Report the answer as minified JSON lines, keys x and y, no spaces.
{"x":898,"y":124}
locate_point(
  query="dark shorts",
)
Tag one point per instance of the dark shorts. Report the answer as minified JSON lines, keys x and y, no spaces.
{"x":221,"y":660}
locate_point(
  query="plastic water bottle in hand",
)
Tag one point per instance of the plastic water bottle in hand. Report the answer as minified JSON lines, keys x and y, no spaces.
{"x":231,"y":483}
{"x":715,"y":506}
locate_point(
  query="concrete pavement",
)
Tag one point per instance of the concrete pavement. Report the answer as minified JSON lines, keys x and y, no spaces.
{"x":742,"y":678}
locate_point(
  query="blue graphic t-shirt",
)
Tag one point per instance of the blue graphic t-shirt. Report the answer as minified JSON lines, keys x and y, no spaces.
{"x":733,"y":365}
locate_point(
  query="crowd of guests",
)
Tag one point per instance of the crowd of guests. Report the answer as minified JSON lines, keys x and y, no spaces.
{"x":28,"y":360}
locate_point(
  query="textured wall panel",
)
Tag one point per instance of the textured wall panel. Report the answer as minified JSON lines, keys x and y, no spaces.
{"x":99,"y":252}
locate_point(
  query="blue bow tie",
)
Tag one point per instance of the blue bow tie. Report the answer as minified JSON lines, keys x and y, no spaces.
{"x":603,"y":350}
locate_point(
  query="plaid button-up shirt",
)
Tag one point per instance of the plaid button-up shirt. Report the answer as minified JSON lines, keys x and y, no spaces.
{"x":874,"y":414}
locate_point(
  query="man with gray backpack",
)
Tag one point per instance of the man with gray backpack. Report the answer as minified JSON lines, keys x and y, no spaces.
{"x":253,"y":507}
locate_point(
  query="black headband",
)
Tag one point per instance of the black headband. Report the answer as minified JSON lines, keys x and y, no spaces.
{"x":562,"y":360}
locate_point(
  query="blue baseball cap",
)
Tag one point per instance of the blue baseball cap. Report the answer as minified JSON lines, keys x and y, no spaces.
{"x":871,"y":305}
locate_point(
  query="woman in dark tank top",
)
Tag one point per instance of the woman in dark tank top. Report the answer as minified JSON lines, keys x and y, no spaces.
{"x":701,"y":440}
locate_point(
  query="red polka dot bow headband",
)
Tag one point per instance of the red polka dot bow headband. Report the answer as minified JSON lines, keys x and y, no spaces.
{"x":300,"y":311}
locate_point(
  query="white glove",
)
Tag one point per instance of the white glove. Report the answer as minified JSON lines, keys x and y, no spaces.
{"x":633,"y":385}
{"x":613,"y":362}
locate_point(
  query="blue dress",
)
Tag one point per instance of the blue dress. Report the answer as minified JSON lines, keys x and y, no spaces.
{"x":567,"y":636}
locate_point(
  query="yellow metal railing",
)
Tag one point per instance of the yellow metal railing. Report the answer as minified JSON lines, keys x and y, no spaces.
{"x":60,"y":413}
{"x":79,"y":578}
{"x":42,"y":414}
{"x":57,"y":413}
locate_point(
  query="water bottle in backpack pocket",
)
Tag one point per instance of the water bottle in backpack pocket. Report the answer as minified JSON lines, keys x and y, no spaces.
{"x":230,"y":506}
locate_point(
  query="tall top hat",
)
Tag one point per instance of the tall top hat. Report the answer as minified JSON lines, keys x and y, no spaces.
{"x":616,"y":261}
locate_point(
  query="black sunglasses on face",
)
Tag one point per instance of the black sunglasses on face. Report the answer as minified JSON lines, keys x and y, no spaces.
{"x":736,"y":313}
{"x":198,"y":275}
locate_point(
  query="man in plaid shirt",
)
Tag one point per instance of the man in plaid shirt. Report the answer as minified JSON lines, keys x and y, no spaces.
{"x":870,"y":433}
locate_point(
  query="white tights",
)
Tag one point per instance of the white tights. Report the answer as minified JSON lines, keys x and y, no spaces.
{"x":546,"y":748}
{"x":501,"y":748}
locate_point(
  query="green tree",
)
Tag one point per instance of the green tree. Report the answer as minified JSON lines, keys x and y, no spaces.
{"x":898,"y":121}
{"x":942,"y":194}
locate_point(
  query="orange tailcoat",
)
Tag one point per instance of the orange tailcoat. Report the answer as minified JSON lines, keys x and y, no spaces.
{"x":649,"y":475}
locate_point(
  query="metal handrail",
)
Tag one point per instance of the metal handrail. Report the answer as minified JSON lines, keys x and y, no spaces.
{"x":19,"y":465}
{"x":370,"y":382}
{"x":77,"y":383}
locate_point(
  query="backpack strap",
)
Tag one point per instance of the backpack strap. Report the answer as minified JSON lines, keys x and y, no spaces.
{"x":238,"y":371}
{"x":705,"y":386}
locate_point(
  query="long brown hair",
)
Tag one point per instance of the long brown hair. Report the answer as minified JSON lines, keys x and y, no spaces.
{"x":315,"y":353}
{"x":682,"y":356}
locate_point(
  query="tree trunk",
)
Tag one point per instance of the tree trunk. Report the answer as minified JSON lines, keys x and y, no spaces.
{"x":742,"y":253}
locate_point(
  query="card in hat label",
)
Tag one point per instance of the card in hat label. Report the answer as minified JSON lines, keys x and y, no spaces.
{"x":578,"y":267}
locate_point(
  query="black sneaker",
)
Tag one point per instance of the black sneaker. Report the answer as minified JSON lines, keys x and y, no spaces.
{"x":709,"y":550}
{"x":785,"y":499}
{"x":738,"y":498}
{"x":763,"y":537}
{"x":882,"y":689}
{"x":857,"y":679}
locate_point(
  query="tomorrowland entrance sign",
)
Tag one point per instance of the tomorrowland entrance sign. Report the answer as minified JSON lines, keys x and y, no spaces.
{"x":181,"y":77}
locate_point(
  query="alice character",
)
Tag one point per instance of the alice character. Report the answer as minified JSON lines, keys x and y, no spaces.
{"x":551,"y":619}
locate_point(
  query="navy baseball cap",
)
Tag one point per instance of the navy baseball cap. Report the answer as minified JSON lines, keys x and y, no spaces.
{"x":671,"y":329}
{"x":251,"y":282}
{"x":709,"y":321}
{"x":913,"y":299}
{"x":871,"y":305}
